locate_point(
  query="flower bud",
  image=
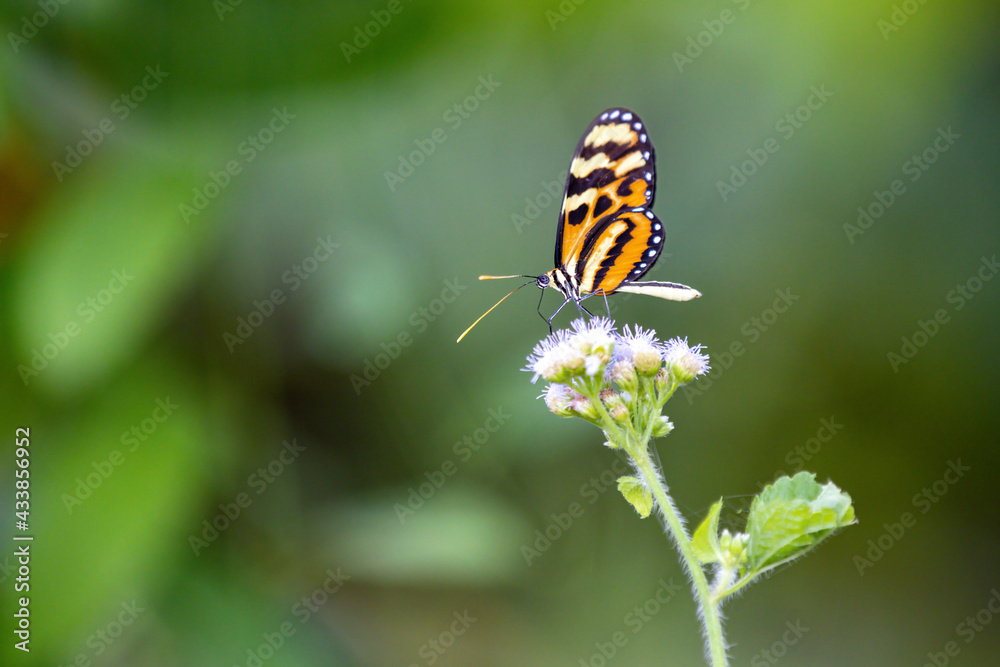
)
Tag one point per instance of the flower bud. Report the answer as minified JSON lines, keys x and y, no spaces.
{"x":550,"y":363}
{"x":662,"y":379}
{"x":615,"y":404}
{"x":663,"y":427}
{"x":646,"y":356}
{"x":558,"y":398}
{"x":619,"y":413}
{"x":685,"y":363}
{"x":584,"y":407}
{"x":734,"y":548}
{"x":594,"y":343}
{"x":555,"y":359}
{"x":594,"y":339}
{"x":622,"y":373}
{"x":725,"y":539}
{"x":574,"y":362}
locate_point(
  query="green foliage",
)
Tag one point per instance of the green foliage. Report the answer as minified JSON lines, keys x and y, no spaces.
{"x":726,"y":549}
{"x":637,"y":494}
{"x":787,"y":519}
{"x":793,"y":515}
{"x":705,"y":540}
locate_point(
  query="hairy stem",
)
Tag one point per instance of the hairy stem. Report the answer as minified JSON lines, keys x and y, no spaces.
{"x":709,"y":607}
{"x":637,"y":449}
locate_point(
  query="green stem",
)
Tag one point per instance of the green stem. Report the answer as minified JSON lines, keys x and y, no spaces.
{"x":723,"y":594}
{"x":638,"y":450}
{"x":660,"y":401}
{"x":607,"y":423}
{"x":750,"y":577}
{"x":711,"y":620}
{"x":724,"y":577}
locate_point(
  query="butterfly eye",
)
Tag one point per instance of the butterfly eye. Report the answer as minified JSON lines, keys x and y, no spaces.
{"x":542,"y":281}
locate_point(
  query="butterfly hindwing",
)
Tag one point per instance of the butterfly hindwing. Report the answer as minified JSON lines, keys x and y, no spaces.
{"x":661,"y":290}
{"x":612,"y":169}
{"x":619,"y":249}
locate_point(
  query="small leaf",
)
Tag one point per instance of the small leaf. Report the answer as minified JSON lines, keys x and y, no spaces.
{"x":706,"y":538}
{"x":637,"y":494}
{"x":792,"y":515}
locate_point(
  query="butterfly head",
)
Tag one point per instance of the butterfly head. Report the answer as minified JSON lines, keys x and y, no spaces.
{"x":543,"y":281}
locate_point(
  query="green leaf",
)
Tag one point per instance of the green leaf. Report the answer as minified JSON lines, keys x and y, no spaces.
{"x":792,"y":515}
{"x":637,"y":494}
{"x":706,"y":538}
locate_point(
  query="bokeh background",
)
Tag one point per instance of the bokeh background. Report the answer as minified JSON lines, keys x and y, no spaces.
{"x":186,"y":187}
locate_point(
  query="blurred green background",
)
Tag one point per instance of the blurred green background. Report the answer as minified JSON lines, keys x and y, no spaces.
{"x":219,"y":155}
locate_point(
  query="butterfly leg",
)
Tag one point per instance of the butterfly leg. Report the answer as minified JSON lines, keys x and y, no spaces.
{"x":539,"y":309}
{"x":580,"y":305}
{"x":556,"y":313}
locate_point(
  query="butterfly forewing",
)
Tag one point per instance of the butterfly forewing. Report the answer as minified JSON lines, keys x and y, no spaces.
{"x":612,"y":169}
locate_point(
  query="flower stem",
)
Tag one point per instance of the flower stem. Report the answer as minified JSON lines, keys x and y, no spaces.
{"x":710,"y":616}
{"x":638,"y":450}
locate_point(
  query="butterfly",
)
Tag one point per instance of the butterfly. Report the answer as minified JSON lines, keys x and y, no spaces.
{"x":607,"y":236}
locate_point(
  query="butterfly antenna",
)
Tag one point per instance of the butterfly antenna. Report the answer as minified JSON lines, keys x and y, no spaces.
{"x":497,"y":303}
{"x":500,"y":277}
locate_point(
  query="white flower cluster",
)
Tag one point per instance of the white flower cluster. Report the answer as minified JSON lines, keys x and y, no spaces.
{"x":585,"y":349}
{"x":582,"y":363}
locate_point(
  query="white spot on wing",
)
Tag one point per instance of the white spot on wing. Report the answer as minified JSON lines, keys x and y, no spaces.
{"x":637,"y":126}
{"x":614,"y":114}
{"x":642,"y":137}
{"x":604,"y":116}
{"x":656,"y":239}
{"x":656,"y":227}
{"x":652,"y":253}
{"x":626,"y":116}
{"x":649,"y":214}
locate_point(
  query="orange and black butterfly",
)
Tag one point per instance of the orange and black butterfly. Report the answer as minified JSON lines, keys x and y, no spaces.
{"x":607,"y":236}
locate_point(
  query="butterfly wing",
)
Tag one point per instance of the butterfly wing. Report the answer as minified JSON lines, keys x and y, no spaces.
{"x":612,"y":169}
{"x":661,"y":290}
{"x":619,"y":248}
